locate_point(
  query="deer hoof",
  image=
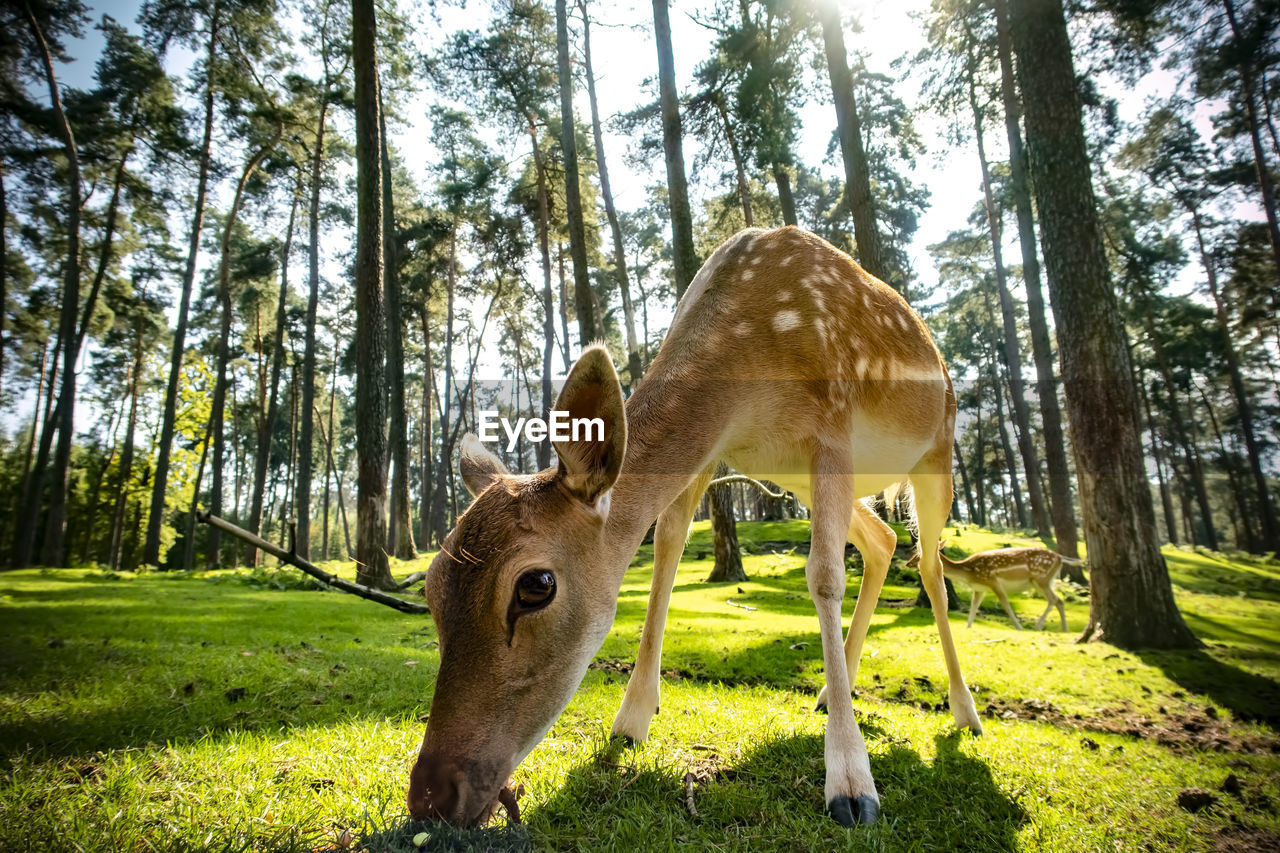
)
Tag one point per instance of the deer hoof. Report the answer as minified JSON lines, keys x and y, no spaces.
{"x":821,"y":707}
{"x":848,"y":811}
{"x":626,"y":741}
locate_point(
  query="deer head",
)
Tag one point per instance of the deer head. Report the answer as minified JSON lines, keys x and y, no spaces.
{"x":521,"y":597}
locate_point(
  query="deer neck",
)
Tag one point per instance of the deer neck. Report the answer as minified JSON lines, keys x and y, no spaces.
{"x":674,"y":427}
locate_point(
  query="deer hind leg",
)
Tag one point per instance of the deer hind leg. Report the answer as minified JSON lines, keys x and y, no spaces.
{"x":850,"y":792}
{"x":975,"y":601}
{"x":933,"y":501}
{"x":640,"y":702}
{"x":1004,"y":602}
{"x":1052,"y":600}
{"x":876,"y":541}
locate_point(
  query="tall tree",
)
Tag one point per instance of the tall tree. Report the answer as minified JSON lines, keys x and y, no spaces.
{"x":70,"y":306}
{"x":1061,"y":504}
{"x":857,"y":173}
{"x":683,"y":259}
{"x":588,"y":329}
{"x":372,"y":568}
{"x":1132,"y":598}
{"x":634,"y":366}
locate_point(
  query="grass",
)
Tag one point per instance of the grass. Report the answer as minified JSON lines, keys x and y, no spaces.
{"x":249,"y":711}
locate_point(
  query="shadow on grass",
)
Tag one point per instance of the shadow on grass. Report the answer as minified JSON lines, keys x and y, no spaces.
{"x":772,"y":798}
{"x":1249,"y":696}
{"x":442,"y":838}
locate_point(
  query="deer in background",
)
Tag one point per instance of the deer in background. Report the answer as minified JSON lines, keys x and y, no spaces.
{"x":1006,"y":570}
{"x":784,"y":359}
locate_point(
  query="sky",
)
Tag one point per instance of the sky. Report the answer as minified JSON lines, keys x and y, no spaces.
{"x":624,"y":56}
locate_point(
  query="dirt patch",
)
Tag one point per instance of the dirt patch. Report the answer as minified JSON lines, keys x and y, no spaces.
{"x":1180,"y":731}
{"x":1240,"y":839}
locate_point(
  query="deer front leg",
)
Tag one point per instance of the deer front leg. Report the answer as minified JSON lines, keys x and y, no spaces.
{"x":875,"y":540}
{"x":641,"y":700}
{"x":1004,"y":602}
{"x":975,"y":601}
{"x":850,"y":792}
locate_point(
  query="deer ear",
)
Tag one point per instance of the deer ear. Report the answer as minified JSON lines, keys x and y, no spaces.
{"x":479,"y":468}
{"x":592,"y":457}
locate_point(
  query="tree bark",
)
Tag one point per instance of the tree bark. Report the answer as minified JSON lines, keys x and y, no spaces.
{"x":857,"y":174}
{"x":634,"y":365}
{"x":306,"y":440}
{"x":372,"y":569}
{"x":782,"y":179}
{"x":126,"y":457}
{"x":424,"y":424}
{"x":1131,"y":601}
{"x":1061,"y":505}
{"x":740,"y":171}
{"x":683,"y":259}
{"x":728,"y":564}
{"x":400,"y":523}
{"x":588,"y":329}
{"x":57,"y":516}
{"x":159,"y":483}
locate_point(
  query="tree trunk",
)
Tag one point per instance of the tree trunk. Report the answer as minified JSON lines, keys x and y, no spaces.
{"x":1061,"y":505}
{"x":1131,"y":601}
{"x":549,"y":320}
{"x":400,"y":523}
{"x":565,"y":340}
{"x":683,"y":259}
{"x":189,"y":549}
{"x":267,"y":419}
{"x":159,"y":483}
{"x":306,"y":440}
{"x":4,"y":271}
{"x":1009,"y":320}
{"x":857,"y":174}
{"x":1166,"y":500}
{"x":424,"y":424}
{"x":728,"y":565}
{"x":126,"y":458}
{"x":782,"y":178}
{"x":634,"y":365}
{"x":372,"y":569}
{"x":57,"y":516}
{"x":1010,"y":461}
{"x":964,"y":481}
{"x":588,"y":329}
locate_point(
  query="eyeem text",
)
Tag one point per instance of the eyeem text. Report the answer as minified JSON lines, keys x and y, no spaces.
{"x":559,"y":427}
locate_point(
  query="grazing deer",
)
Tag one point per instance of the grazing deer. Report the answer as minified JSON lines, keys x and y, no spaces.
{"x":1005,"y":570}
{"x":786,"y":360}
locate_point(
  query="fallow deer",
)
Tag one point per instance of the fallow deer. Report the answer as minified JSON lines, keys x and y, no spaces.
{"x":788,"y":361}
{"x":1006,"y":570}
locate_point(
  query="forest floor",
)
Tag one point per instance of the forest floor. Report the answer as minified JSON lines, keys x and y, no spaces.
{"x":249,"y":711}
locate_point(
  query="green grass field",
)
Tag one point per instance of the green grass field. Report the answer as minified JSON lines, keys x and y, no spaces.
{"x":250,"y":711}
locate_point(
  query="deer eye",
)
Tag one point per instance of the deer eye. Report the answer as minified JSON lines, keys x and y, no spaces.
{"x":535,"y":589}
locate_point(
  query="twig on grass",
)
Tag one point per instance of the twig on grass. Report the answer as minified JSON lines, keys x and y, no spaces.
{"x":689,"y":779}
{"x":316,"y":572}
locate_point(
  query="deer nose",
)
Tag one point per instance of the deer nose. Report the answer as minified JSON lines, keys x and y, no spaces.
{"x":433,"y":789}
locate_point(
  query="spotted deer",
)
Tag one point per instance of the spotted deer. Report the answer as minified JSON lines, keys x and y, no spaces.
{"x":1006,"y":570}
{"x":784,"y":359}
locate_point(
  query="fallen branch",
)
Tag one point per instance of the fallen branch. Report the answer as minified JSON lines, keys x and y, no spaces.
{"x":316,"y":572}
{"x":743,"y":478}
{"x":411,"y":580}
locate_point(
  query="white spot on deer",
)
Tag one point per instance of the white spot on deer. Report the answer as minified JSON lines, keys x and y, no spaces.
{"x":743,"y":329}
{"x":786,"y":320}
{"x":784,"y":295}
{"x":747,"y":274}
{"x":860,"y":367}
